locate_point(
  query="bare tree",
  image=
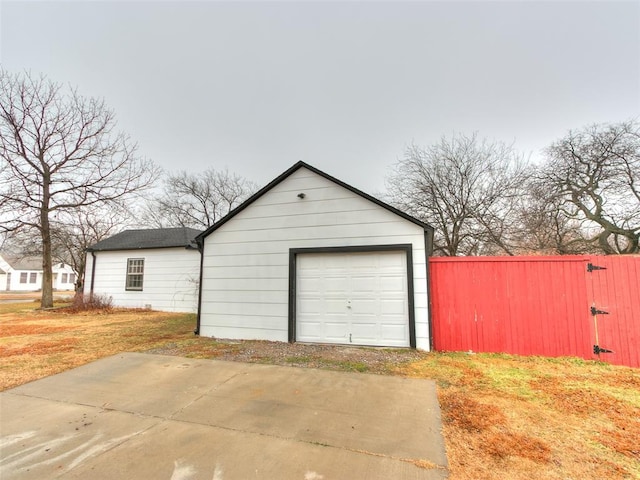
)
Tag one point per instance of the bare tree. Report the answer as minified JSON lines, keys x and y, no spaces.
{"x":197,"y":200}
{"x":594,"y":173}
{"x":59,"y":152}
{"x":466,"y":188}
{"x":78,"y":229}
{"x":545,"y":227}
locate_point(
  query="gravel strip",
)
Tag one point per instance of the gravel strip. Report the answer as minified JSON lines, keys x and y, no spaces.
{"x":333,"y":357}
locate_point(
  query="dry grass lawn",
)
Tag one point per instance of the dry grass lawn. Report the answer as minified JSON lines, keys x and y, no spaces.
{"x":505,"y":417}
{"x":35,"y":344}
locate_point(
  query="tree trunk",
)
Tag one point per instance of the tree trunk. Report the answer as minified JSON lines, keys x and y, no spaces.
{"x":80,"y":267}
{"x":45,"y":230}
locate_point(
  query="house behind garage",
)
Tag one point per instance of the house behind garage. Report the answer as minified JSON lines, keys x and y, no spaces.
{"x":23,"y":273}
{"x":151,"y":268}
{"x":309,"y":258}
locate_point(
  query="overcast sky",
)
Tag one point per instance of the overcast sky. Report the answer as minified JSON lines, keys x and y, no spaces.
{"x":344,"y":86}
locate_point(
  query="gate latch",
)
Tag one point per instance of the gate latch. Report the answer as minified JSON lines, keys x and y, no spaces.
{"x":591,"y":267}
{"x":597,"y":349}
{"x":595,"y":311}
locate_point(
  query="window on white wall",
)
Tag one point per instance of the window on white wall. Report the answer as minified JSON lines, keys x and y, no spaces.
{"x":135,"y":273}
{"x":23,"y":277}
{"x":72,"y":278}
{"x":33,"y":276}
{"x":64,"y":278}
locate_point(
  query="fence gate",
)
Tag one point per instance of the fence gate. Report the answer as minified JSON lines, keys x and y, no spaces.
{"x":613,"y":287}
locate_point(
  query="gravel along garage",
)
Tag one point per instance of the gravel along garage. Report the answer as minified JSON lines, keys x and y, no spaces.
{"x":156,"y":417}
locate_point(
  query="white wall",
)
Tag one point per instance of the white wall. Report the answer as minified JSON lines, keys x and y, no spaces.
{"x":246,"y":260}
{"x":58,"y":284}
{"x":16,"y":286}
{"x":170,"y":278}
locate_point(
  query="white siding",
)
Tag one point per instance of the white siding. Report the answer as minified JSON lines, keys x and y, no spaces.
{"x":58,"y":273}
{"x":29,"y":286}
{"x":170,"y":280}
{"x":246,"y":260}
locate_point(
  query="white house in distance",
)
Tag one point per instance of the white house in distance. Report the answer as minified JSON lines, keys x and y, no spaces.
{"x":152,"y":268}
{"x":24,"y":274}
{"x":309,"y":258}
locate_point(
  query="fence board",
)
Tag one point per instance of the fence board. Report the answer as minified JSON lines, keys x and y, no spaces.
{"x":537,"y":306}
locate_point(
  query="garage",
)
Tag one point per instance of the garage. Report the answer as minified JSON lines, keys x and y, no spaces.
{"x":353,"y":298}
{"x":309,"y":258}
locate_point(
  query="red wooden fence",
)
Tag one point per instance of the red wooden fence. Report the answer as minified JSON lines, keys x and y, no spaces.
{"x":550,"y":306}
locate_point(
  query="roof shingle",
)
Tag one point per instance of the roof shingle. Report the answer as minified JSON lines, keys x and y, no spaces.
{"x":148,"y":238}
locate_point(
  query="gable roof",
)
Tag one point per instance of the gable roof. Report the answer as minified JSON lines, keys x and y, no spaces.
{"x":290,"y":171}
{"x":20,"y":262}
{"x":148,"y":238}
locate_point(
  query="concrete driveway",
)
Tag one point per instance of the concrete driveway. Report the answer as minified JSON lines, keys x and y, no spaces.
{"x":157,"y":417}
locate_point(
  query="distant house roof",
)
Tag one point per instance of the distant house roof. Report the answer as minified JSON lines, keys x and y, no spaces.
{"x":148,"y":238}
{"x":23,"y":262}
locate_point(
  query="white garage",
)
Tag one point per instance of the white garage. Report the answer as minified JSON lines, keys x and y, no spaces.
{"x":309,"y":258}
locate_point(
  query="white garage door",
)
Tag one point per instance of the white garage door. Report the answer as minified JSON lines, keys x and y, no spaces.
{"x":352,"y":298}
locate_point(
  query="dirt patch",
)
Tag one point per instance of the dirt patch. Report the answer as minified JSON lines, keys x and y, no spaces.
{"x":30,"y":329}
{"x":505,"y":444}
{"x":41,"y":348}
{"x":463,"y":412}
{"x":568,"y":397}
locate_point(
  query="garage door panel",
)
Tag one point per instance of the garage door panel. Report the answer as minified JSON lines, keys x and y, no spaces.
{"x":310,"y":329}
{"x":393,"y":284}
{"x":391,"y":261}
{"x":335,"y":330}
{"x":336,"y":284}
{"x":363,"y":261}
{"x":392,"y":306}
{"x":365,"y":332}
{"x":358,"y":306}
{"x":365,"y":284}
{"x":336,"y":306}
{"x":365,"y":318}
{"x":394,"y":332}
{"x":309,"y":284}
{"x":372,"y":284}
{"x":310,"y":307}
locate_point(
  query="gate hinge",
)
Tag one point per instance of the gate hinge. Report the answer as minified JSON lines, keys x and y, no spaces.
{"x":591,"y":267}
{"x":597,"y":349}
{"x":595,"y":311}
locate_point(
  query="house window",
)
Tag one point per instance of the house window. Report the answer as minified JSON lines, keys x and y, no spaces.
{"x":64,"y":278}
{"x":135,"y":273}
{"x":23,"y":277}
{"x":33,"y":276}
{"x":72,"y":278}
